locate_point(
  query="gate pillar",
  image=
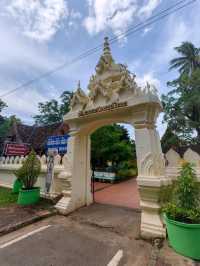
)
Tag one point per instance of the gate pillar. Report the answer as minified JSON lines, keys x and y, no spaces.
{"x":79,"y":159}
{"x":151,"y":165}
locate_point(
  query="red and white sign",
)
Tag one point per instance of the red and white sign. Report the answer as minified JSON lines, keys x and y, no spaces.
{"x":13,"y":149}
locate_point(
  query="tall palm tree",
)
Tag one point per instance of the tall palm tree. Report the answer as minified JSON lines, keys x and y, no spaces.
{"x":189,"y":60}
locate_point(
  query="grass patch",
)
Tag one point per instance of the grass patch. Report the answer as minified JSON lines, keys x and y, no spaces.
{"x":7,"y":197}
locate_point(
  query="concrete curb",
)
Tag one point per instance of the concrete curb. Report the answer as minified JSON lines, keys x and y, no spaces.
{"x":41,"y":215}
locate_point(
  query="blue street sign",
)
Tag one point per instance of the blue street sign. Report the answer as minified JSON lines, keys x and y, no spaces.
{"x":57,"y":143}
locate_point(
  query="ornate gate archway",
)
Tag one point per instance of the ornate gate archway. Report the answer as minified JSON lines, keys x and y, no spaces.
{"x":114,"y":96}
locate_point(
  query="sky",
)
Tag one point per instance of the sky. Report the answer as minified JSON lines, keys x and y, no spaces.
{"x":38,"y":35}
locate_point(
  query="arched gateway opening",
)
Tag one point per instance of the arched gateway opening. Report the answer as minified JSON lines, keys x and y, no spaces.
{"x":114,"y":167}
{"x":115,"y":97}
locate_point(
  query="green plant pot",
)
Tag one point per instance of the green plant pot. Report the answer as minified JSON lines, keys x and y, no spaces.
{"x":184,"y":238}
{"x":17,"y":186}
{"x":28,"y":196}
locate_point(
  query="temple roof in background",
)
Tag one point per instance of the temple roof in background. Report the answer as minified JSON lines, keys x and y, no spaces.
{"x":36,"y":136}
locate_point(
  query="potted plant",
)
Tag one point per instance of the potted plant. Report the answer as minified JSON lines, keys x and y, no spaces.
{"x":17,"y":185}
{"x":28,"y":174}
{"x":182,"y":214}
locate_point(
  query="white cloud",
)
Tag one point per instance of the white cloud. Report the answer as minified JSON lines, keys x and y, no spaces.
{"x":148,"y":7}
{"x":74,"y":18}
{"x":75,"y":14}
{"x":176,"y":33}
{"x":178,"y":29}
{"x":116,"y":15}
{"x":36,"y":19}
{"x":26,"y":58}
{"x":21,"y":62}
{"x":24,"y":102}
{"x":146,"y":30}
{"x":148,"y":77}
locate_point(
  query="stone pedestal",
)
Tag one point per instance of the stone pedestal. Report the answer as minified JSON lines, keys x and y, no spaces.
{"x":151,"y":179}
{"x":151,"y":223}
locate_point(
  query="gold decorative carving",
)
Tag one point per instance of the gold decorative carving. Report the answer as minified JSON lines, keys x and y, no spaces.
{"x":79,"y":97}
{"x":108,"y":84}
{"x":101,"y":109}
{"x":110,"y":78}
{"x":150,"y":88}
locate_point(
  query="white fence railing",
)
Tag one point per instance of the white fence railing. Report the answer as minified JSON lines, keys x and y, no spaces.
{"x":8,"y":165}
{"x":4,"y":160}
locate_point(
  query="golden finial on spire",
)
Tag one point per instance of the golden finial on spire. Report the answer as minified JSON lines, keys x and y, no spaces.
{"x":79,"y":85}
{"x":106,"y":47}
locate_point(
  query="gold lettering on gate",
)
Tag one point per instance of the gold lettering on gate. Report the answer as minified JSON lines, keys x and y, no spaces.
{"x":101,"y":109}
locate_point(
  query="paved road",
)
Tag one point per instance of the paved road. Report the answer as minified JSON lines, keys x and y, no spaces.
{"x":56,"y":246}
{"x":92,"y":236}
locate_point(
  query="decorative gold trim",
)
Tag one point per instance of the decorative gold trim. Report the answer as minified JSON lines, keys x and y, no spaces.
{"x":101,"y":109}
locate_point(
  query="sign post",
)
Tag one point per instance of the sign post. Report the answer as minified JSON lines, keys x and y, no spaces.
{"x":50,"y":170}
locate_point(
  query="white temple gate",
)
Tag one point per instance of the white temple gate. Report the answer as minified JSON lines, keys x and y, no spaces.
{"x":114,"y":97}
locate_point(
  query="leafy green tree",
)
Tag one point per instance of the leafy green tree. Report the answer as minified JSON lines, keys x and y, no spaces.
{"x":2,"y":119}
{"x":7,"y":124}
{"x":53,"y":111}
{"x":170,"y":140}
{"x":2,"y":105}
{"x":182,"y":103}
{"x":189,"y":59}
{"x":111,"y":143}
{"x":182,"y":106}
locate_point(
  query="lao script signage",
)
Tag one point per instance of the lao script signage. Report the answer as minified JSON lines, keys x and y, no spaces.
{"x":14,"y":149}
{"x":101,"y":109}
{"x":57,"y":143}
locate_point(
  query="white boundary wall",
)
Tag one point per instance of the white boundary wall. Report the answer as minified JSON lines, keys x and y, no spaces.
{"x":61,"y":178}
{"x":174,"y":160}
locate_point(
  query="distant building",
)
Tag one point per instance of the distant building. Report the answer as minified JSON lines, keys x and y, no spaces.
{"x":34,"y":135}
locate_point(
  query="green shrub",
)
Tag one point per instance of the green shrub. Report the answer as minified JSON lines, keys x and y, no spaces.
{"x":183,"y":205}
{"x":127,"y":173}
{"x":187,"y":191}
{"x":167,"y":193}
{"x":190,"y":216}
{"x":28,"y":173}
{"x":127,"y":169}
{"x":132,"y":164}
